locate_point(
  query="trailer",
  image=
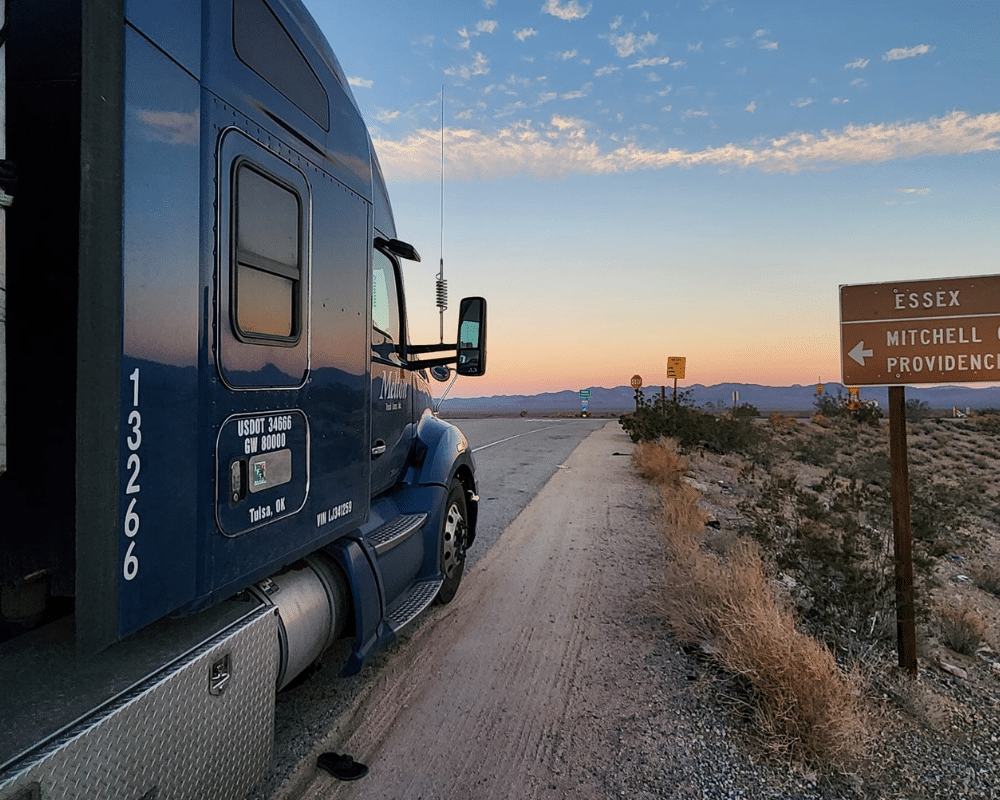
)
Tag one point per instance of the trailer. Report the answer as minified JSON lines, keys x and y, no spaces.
{"x":221,"y":454}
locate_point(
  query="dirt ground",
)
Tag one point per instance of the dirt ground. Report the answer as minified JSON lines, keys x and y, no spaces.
{"x":508,"y":691}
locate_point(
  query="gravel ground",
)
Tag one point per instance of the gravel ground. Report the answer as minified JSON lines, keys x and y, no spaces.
{"x":930,"y":738}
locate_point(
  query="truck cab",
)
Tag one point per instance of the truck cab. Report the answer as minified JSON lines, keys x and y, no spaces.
{"x":221,"y":444}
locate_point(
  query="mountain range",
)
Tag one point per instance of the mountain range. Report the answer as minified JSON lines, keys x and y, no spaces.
{"x":790,"y":399}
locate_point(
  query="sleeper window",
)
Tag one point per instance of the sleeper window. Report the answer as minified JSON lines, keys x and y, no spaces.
{"x":267,"y":269}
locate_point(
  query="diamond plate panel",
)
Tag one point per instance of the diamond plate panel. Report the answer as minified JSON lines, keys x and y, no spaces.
{"x":170,"y":738}
{"x":420,"y":596}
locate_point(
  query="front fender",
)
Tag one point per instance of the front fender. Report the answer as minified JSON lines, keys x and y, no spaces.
{"x":444,"y":450}
{"x":443,"y":454}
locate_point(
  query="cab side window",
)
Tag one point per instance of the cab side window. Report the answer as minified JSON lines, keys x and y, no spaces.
{"x":267,"y":268}
{"x":385,"y":298}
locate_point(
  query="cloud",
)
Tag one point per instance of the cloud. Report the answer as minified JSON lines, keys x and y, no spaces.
{"x":488,"y":4}
{"x":364,"y":83}
{"x":859,"y":82}
{"x":564,"y":147}
{"x":839,"y":100}
{"x":691,"y":113}
{"x":479,"y":66}
{"x":569,"y":11}
{"x":649,"y":62}
{"x":583,"y":91}
{"x":925,"y":190}
{"x":751,"y":106}
{"x":628,"y":44}
{"x":616,"y":23}
{"x":486,"y":25}
{"x":858,"y":63}
{"x":802,"y":102}
{"x":606,"y":71}
{"x":768,"y":45}
{"x":524,"y":33}
{"x":386,"y":116}
{"x":566,"y":55}
{"x":172,"y":127}
{"x":694,"y":48}
{"x":899,"y":53}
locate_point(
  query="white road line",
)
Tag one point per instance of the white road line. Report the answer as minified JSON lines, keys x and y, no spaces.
{"x":516,"y":436}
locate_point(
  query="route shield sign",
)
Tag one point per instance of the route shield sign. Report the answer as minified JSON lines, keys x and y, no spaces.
{"x":915,"y":332}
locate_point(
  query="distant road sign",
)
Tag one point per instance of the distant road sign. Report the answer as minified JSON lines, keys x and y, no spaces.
{"x":636,"y":382}
{"x":675,"y":367}
{"x":916,"y":332}
{"x":584,"y":394}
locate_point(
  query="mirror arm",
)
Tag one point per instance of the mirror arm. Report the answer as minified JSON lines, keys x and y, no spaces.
{"x":431,"y":362}
{"x":430,"y":348}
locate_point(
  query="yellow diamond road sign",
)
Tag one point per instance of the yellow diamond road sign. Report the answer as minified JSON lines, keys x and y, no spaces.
{"x":915,"y":332}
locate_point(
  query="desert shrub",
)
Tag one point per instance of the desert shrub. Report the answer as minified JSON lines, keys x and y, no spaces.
{"x":987,"y":578}
{"x":863,"y":411}
{"x":820,"y":449}
{"x":936,"y":509}
{"x":746,"y":410}
{"x":691,"y":427}
{"x":917,"y":410}
{"x":962,"y":629}
{"x":988,"y":421}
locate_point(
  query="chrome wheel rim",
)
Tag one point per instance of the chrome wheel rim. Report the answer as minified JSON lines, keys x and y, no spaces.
{"x":453,"y":547}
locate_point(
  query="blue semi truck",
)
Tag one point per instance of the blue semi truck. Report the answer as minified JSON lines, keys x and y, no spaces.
{"x":220,"y":454}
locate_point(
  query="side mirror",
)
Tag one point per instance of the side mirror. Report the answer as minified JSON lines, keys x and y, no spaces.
{"x":472,"y":337}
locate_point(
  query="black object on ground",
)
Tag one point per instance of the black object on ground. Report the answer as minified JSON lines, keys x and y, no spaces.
{"x":342,"y":767}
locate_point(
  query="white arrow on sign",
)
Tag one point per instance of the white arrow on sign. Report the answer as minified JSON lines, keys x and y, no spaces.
{"x":859,"y":353}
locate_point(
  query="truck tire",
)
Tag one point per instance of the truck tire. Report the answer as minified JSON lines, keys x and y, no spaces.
{"x":454,"y":539}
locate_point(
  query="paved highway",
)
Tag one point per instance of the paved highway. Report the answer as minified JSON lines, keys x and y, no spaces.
{"x":514,"y":460}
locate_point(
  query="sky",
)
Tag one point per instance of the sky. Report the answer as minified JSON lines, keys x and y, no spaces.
{"x":630,"y":181}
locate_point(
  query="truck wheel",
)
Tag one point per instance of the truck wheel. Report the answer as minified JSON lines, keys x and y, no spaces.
{"x":454,"y":536}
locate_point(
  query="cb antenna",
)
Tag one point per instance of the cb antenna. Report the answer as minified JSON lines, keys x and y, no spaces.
{"x":441,"y":288}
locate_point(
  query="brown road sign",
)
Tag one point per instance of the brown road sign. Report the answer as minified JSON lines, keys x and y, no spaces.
{"x":926,"y":331}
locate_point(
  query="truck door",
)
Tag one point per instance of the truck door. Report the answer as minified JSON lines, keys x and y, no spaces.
{"x":392,"y":417}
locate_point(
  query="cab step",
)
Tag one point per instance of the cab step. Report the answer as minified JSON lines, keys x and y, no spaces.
{"x":395,"y":532}
{"x":406,"y":609}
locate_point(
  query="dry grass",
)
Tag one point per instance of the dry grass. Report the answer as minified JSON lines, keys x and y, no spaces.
{"x":723,"y":604}
{"x":782,"y":422}
{"x":962,"y":629}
